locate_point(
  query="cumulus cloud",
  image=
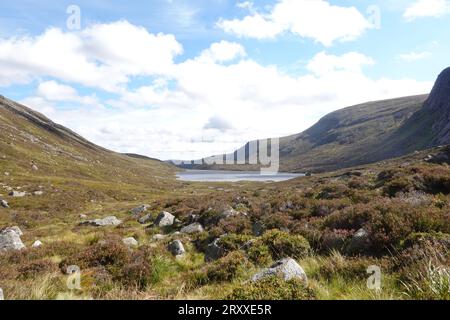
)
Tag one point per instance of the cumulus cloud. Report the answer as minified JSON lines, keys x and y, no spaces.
{"x":104,"y":56}
{"x":317,"y":20}
{"x":187,"y":109}
{"x":427,"y":8}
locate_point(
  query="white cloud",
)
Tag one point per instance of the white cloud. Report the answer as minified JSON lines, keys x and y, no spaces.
{"x":223,"y":51}
{"x":102,"y":56}
{"x":318,"y":20}
{"x":414,"y":56}
{"x":189,"y":109}
{"x":427,"y":8}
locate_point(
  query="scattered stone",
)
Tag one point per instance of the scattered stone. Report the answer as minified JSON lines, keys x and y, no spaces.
{"x":83,"y":216}
{"x":10,"y":239}
{"x":38,"y":193}
{"x":145,"y":219}
{"x":287,"y":268}
{"x":130,"y":242}
{"x":230,"y":212}
{"x":108,"y":221}
{"x":141,"y":209}
{"x":37,"y":244}
{"x":193,"y":228}
{"x":214,"y":251}
{"x":34,"y":167}
{"x":176,"y":248}
{"x":359,"y":242}
{"x":164,"y":219}
{"x":17,"y":194}
{"x":4,"y":204}
{"x":7,"y":174}
{"x":159,"y":237}
{"x":258,"y":228}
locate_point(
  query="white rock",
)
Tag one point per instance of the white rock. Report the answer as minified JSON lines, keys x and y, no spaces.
{"x":287,"y":268}
{"x":10,"y":239}
{"x":164,"y":219}
{"x":4,"y":204}
{"x":108,"y":221}
{"x":159,"y":237}
{"x":37,"y":244}
{"x":38,"y":193}
{"x":17,"y":194}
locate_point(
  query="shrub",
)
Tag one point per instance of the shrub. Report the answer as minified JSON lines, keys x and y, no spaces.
{"x":228,"y":267}
{"x":273,"y":288}
{"x":259,"y":254}
{"x":283,"y":245}
{"x":35,"y":268}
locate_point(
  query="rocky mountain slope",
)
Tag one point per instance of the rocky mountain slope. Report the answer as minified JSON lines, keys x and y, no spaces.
{"x":369,"y":132}
{"x":31,"y":144}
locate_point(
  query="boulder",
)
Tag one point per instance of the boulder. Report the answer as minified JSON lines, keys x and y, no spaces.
{"x":130,"y":242}
{"x":193,"y":228}
{"x":359,"y":242}
{"x":287,"y":268}
{"x":214,"y":251}
{"x":164,"y":219}
{"x":10,"y":239}
{"x":176,"y":248}
{"x":141,"y":209}
{"x":17,"y":194}
{"x":145,"y":219}
{"x":108,"y":221}
{"x":4,"y":204}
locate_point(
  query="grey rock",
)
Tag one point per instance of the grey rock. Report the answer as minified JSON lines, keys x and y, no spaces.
{"x":214,"y":251}
{"x":141,"y":209}
{"x":10,"y":239}
{"x":176,"y":248}
{"x":145,"y":219}
{"x":4,"y":204}
{"x":287,"y":268}
{"x":108,"y":221}
{"x":15,"y":229}
{"x":164,"y":219}
{"x":130,"y":242}
{"x":17,"y":194}
{"x":193,"y":228}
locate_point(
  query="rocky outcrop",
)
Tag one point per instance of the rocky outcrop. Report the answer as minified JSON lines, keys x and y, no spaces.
{"x":287,"y":269}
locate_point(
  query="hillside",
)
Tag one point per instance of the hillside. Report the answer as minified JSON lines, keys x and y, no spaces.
{"x":369,"y":132}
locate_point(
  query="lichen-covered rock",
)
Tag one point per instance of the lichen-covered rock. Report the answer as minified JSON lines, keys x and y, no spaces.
{"x":193,"y":228}
{"x":164,"y":219}
{"x":10,"y":239}
{"x":286,"y":268}
{"x":108,"y":221}
{"x":176,"y":248}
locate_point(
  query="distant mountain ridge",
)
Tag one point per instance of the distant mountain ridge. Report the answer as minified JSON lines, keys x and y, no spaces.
{"x":366,"y":133}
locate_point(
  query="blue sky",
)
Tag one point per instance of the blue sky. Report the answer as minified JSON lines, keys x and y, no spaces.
{"x":184,"y":79}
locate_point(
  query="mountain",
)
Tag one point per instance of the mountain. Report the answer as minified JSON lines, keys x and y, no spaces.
{"x":366,"y":133}
{"x":29,"y":140}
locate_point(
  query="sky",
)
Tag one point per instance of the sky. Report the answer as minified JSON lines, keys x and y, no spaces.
{"x":178,"y":79}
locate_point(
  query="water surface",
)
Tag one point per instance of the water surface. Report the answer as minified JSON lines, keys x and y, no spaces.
{"x":233,"y":176}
